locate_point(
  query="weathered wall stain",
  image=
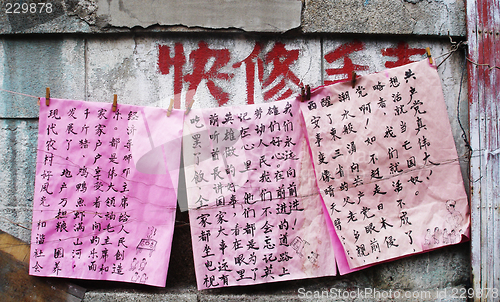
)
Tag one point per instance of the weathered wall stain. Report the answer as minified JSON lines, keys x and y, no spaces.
{"x":312,"y":16}
{"x":150,"y":68}
{"x":269,"y":67}
{"x":249,"y":15}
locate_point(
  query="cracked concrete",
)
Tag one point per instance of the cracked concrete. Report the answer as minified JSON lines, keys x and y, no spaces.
{"x":385,"y":17}
{"x":85,"y":9}
{"x":248,"y":15}
{"x":435,"y":18}
{"x":94,"y":67}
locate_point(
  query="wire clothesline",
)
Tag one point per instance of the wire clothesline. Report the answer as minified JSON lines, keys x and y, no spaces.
{"x":23,"y":94}
{"x":448,"y":54}
{"x":456,"y":46}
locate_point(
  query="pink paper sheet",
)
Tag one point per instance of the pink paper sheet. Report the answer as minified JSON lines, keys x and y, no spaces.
{"x":255,"y":211}
{"x":105,"y":191}
{"x":386,"y":165}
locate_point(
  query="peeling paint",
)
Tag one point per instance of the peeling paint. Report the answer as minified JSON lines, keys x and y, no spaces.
{"x":248,"y":15}
{"x":385,"y":17}
{"x":85,"y":9}
{"x":129,"y":66}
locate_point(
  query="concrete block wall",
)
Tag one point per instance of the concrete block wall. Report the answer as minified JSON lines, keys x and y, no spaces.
{"x":79,"y":54}
{"x":394,"y":17}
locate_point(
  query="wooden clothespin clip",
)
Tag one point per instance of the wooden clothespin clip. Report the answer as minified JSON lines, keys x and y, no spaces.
{"x":169,"y":111}
{"x":47,"y":96}
{"x":115,"y":103}
{"x":189,"y":105}
{"x":428,"y":51}
{"x":305,"y":93}
{"x":353,"y":79}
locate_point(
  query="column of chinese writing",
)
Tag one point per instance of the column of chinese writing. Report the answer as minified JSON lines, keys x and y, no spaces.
{"x":386,"y":164}
{"x":86,"y":198}
{"x":254,"y":209}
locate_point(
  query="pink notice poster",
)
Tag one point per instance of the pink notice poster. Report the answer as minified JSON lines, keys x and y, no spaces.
{"x":386,"y":164}
{"x":255,"y":212}
{"x":105,"y":191}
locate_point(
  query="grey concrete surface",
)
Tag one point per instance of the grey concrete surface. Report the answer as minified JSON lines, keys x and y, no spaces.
{"x":109,"y":47}
{"x":248,"y":15}
{"x":29,"y":66}
{"x":416,"y":17}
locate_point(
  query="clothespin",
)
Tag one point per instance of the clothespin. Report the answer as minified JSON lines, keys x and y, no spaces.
{"x":305,"y":93}
{"x":47,"y":96}
{"x":353,"y":79}
{"x":428,"y":51}
{"x":189,"y":105}
{"x":115,"y":102}
{"x":169,"y":111}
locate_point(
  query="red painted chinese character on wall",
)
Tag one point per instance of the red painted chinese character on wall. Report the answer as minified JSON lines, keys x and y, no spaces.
{"x":403,"y":52}
{"x":250,"y":62}
{"x":282,"y":60}
{"x":165,"y":61}
{"x":200,"y":57}
{"x":340,"y":52}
